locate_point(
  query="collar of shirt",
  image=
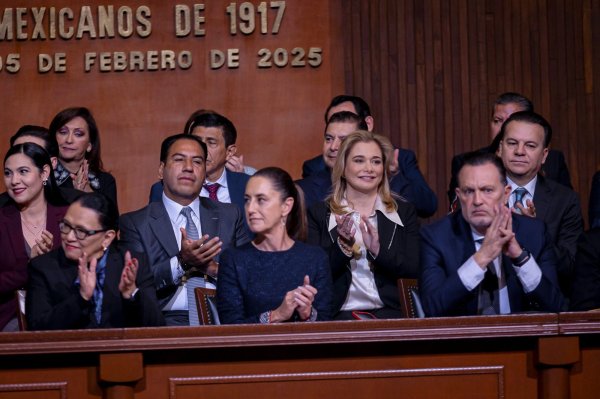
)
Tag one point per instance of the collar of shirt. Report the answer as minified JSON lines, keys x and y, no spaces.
{"x":530,"y":187}
{"x":379,"y":206}
{"x":174,"y":210}
{"x":223,"y":193}
{"x":222,"y":180}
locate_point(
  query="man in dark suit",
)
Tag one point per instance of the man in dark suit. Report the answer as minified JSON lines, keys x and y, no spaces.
{"x":317,"y":186}
{"x":407,"y":180}
{"x":165,"y":230}
{"x":554,"y":167}
{"x":523,"y":149}
{"x":220,"y":135}
{"x":484,"y":259}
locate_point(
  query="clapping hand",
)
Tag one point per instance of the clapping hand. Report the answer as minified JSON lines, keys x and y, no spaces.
{"x":345,"y":228}
{"x":43,"y":244}
{"x":529,"y":210}
{"x":80,"y":179}
{"x":299,"y":299}
{"x":370,"y":236}
{"x":201,"y":252}
{"x":127,"y":284}
{"x":235,"y":163}
{"x":87,"y":276}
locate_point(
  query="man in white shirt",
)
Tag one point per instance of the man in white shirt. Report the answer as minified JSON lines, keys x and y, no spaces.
{"x":484,"y":259}
{"x":526,"y":137}
{"x":224,"y":180}
{"x":183,"y":234}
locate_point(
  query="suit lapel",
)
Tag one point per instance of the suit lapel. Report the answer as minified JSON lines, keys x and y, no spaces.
{"x":160,"y":224}
{"x":542,"y":198}
{"x":235,"y":189}
{"x":209,"y":218}
{"x":467,"y":248}
{"x":386,"y":229}
{"x":15,"y":228}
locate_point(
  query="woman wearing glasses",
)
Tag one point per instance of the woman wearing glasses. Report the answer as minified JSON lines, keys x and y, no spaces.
{"x":28,"y":221}
{"x":89,"y":283}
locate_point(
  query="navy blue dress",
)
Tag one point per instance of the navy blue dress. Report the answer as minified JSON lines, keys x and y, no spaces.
{"x":252,"y":281}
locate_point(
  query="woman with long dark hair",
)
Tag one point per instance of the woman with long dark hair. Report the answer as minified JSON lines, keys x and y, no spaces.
{"x":28,"y":221}
{"x":79,"y":161}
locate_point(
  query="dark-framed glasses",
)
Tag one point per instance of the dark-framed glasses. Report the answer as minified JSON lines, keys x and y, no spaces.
{"x":80,"y":234}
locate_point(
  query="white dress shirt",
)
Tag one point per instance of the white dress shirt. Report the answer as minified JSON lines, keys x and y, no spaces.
{"x":179,"y":301}
{"x":472,"y":275}
{"x":222,"y":193}
{"x":530,"y":187}
{"x":363,"y":293}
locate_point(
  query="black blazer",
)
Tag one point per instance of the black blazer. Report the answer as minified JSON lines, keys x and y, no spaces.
{"x":53,"y":301}
{"x":397,"y":258}
{"x":108,"y":187}
{"x":559,"y":207}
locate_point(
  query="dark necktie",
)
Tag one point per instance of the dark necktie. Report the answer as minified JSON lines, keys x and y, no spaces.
{"x":212,"y":190}
{"x":193,"y":282}
{"x":489,"y":300}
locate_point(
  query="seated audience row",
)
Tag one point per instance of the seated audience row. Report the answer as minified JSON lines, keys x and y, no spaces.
{"x":511,"y":247}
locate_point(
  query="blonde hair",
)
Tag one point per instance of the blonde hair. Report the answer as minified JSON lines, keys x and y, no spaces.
{"x":339,"y":183}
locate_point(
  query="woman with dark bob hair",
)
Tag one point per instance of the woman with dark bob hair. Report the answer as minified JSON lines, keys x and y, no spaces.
{"x":88,"y":282}
{"x":79,"y":162}
{"x":28,"y":221}
{"x":372,"y":237}
{"x":276,"y":277}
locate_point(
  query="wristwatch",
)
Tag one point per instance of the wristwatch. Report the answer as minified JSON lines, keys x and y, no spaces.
{"x":521,"y":259}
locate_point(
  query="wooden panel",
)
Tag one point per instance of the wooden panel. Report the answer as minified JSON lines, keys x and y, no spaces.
{"x":274,"y":109}
{"x":471,"y":357}
{"x":450,"y":60}
{"x":475,"y":382}
{"x":50,"y":390}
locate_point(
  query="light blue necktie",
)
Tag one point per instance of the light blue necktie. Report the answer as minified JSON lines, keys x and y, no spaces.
{"x":519,"y":194}
{"x":193,"y":282}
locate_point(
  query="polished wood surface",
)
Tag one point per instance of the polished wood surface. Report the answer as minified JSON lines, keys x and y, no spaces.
{"x":277,"y":110}
{"x":431,"y":70}
{"x":517,"y":356}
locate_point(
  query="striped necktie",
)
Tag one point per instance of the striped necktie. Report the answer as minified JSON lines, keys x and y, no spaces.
{"x":193,"y":282}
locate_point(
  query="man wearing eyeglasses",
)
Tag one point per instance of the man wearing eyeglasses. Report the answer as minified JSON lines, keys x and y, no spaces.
{"x":183,"y":234}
